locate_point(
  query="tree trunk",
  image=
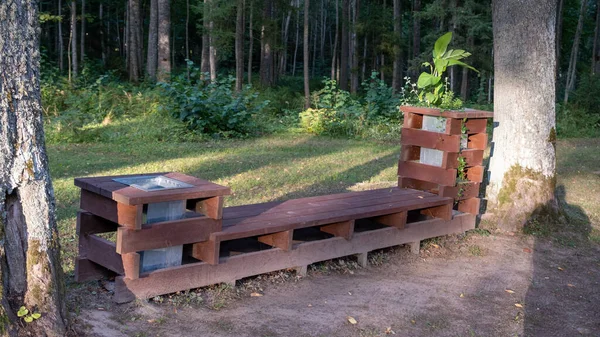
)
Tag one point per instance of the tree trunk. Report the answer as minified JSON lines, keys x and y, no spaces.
{"x":72,"y":42}
{"x":61,"y":47}
{"x":596,"y":49}
{"x":464,"y":85}
{"x":344,"y":48}
{"x":266,"y":61}
{"x":335,"y":43}
{"x":212,"y":60}
{"x":570,"y":83}
{"x":305,"y":59}
{"x":522,"y":167}
{"x":133,"y":45}
{"x":205,"y":63}
{"x":416,"y":43}
{"x":30,"y":269}
{"x":397,"y":67}
{"x":239,"y":46}
{"x":284,"y":35}
{"x":251,"y":46}
{"x":297,"y":36}
{"x":354,"y":43}
{"x":163,"y":72}
{"x":82,"y":46}
{"x":559,"y":22}
{"x":187,"y":38}
{"x":152,"y":55}
{"x":102,"y":34}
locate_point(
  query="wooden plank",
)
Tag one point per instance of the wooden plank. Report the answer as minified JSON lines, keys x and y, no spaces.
{"x":478,"y":141}
{"x":473,"y":157}
{"x":428,"y":173}
{"x":414,"y":121}
{"x":417,"y":184}
{"x":397,"y":220}
{"x":465,"y":189}
{"x":344,"y":229}
{"x":476,"y":125}
{"x":442,"y":212}
{"x":125,"y":215}
{"x":207,"y":251}
{"x":86,"y":270}
{"x":103,"y":252}
{"x":200,"y":274}
{"x":453,"y":126}
{"x":211,"y":207}
{"x":410,"y":153}
{"x":431,"y":140}
{"x":475,"y":173}
{"x":470,"y":206}
{"x":281,"y":240}
{"x":166,"y":234}
{"x":88,"y":223}
{"x":466,"y":113}
{"x":131,"y":265}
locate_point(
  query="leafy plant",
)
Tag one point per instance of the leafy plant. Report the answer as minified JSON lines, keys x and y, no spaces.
{"x":430,"y":84}
{"x":27,"y":316}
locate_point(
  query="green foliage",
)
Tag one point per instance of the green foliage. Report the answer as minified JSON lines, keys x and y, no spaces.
{"x":28,"y":318}
{"x":575,"y":122}
{"x":213,"y":108}
{"x":431,"y":87}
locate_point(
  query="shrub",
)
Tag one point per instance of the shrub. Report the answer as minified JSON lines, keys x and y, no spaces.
{"x":575,"y":122}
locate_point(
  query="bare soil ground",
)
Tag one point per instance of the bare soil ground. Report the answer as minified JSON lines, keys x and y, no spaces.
{"x":467,"y":285}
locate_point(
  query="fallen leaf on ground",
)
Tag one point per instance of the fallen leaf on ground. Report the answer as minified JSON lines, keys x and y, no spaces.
{"x":352,"y":320}
{"x":151,"y":320}
{"x":509,"y":291}
{"x":527,"y":250}
{"x":420,"y":196}
{"x":462,"y":295}
{"x":389,"y":331}
{"x":570,"y":285}
{"x":560,"y":268}
{"x":518,"y":305}
{"x":256,"y":295}
{"x":435,"y":246}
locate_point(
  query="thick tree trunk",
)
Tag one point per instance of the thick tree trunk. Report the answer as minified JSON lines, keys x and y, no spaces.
{"x":335,"y":44}
{"x":205,"y":62}
{"x":163,"y":72}
{"x":251,"y":45}
{"x":152,"y":54}
{"x":134,"y":42}
{"x":30,"y":269}
{"x":73,"y":40}
{"x":397,"y":67}
{"x":344,"y":48}
{"x":82,"y":46}
{"x":306,"y":55}
{"x":239,"y":46}
{"x":522,"y":167}
{"x":266,"y":61}
{"x":571,"y":73}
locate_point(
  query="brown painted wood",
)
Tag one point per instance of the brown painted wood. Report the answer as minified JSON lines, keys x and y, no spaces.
{"x":443,"y":212}
{"x":429,"y":173}
{"x":413,"y":121}
{"x":200,"y":274}
{"x":397,"y":220}
{"x":431,"y":140}
{"x":475,"y":173}
{"x":211,"y":207}
{"x":102,"y":252}
{"x":476,"y":125}
{"x":207,"y":251}
{"x":470,"y":206}
{"x":125,"y":215}
{"x":86,"y":270}
{"x":131,"y":265}
{"x":466,"y":113}
{"x":478,"y":141}
{"x":453,"y":126}
{"x":417,"y":184}
{"x":343,"y":229}
{"x":473,"y":157}
{"x":281,"y":240}
{"x":410,"y":153}
{"x":465,"y":189}
{"x":88,"y":223}
{"x":166,"y":234}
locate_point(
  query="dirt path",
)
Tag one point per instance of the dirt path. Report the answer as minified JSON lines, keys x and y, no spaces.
{"x":458,"y":286}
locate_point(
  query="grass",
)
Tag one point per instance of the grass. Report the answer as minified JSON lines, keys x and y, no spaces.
{"x":287,"y":166}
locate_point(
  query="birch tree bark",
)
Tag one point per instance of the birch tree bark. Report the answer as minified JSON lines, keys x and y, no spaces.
{"x":30,"y":269}
{"x":522,"y":166}
{"x":205,"y":63}
{"x":73,"y":40}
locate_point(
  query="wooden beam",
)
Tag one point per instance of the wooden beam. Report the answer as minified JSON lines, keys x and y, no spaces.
{"x":428,"y":173}
{"x":470,"y":206}
{"x":207,"y":251}
{"x":86,"y":270}
{"x":125,"y":215}
{"x":281,"y":240}
{"x":412,"y":120}
{"x":201,"y":274}
{"x":166,"y":234}
{"x":131,"y":265}
{"x":431,"y":140}
{"x":343,"y":229}
{"x":88,"y":223}
{"x":442,"y":212}
{"x":472,"y":157}
{"x":478,"y":141}
{"x":102,"y":252}
{"x":211,"y":207}
{"x":397,"y":220}
{"x":476,"y":125}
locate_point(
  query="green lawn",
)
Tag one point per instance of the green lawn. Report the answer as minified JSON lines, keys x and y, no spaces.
{"x":283,"y":167}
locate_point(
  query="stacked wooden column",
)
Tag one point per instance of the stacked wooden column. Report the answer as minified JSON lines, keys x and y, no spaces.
{"x":444,"y":179}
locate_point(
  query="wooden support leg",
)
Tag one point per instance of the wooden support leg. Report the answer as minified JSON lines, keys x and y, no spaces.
{"x":131,"y":265}
{"x":282,"y":240}
{"x":397,"y":220}
{"x":363,"y":259}
{"x":211,"y":207}
{"x":469,"y":205}
{"x":415,"y":247}
{"x":86,"y":270}
{"x":344,"y":229}
{"x":443,"y":212}
{"x":302,"y":271}
{"x":207,"y":251}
